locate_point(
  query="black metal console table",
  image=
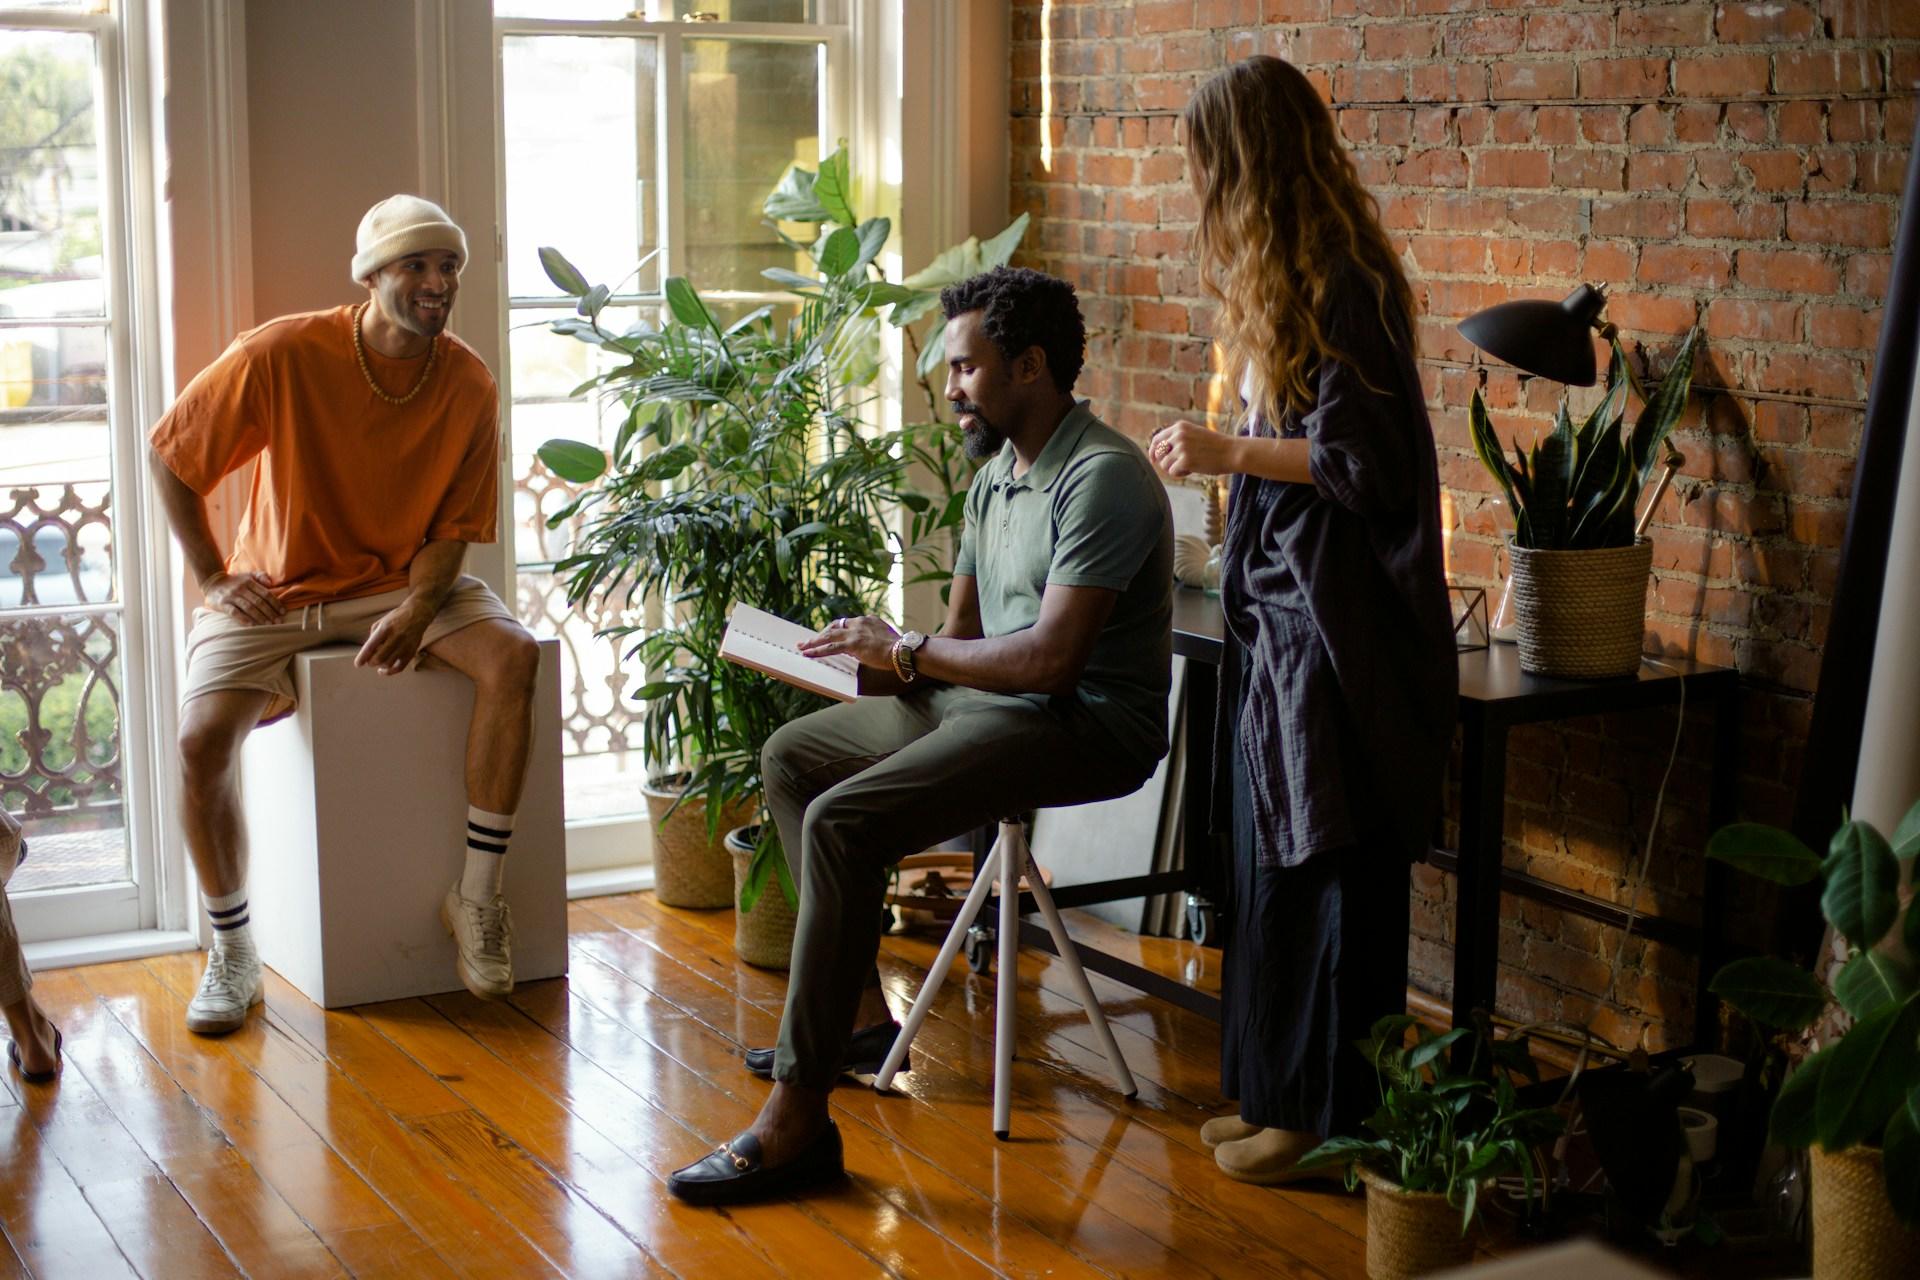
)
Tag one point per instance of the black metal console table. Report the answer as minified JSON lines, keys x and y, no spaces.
{"x":1495,"y":696}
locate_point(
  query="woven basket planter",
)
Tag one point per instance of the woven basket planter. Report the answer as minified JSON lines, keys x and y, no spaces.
{"x":763,"y":937}
{"x":1411,"y":1233}
{"x":691,"y":869}
{"x":1855,"y":1235}
{"x":1581,"y":614}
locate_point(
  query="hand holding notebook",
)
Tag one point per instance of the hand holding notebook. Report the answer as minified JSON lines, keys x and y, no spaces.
{"x":771,"y":644}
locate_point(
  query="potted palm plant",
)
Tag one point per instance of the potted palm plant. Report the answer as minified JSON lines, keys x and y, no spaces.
{"x":1439,"y":1139}
{"x":1854,"y":1099}
{"x":1579,"y":567}
{"x":746,"y":471}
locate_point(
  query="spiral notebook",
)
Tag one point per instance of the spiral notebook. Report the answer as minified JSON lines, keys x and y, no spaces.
{"x":770,"y":644}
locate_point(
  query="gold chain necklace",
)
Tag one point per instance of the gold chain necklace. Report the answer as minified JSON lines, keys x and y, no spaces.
{"x":360,"y":354}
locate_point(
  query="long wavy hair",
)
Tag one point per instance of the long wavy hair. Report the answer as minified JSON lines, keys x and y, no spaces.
{"x":1282,"y":215}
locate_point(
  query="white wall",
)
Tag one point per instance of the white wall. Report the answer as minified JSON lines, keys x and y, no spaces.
{"x":287,"y":119}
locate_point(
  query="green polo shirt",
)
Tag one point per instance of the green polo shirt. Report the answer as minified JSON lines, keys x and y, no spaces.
{"x":1090,"y":512}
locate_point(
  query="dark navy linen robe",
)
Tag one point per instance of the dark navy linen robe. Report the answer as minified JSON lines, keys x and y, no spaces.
{"x":1335,"y":593}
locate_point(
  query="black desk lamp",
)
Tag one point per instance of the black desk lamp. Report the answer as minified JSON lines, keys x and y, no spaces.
{"x":1551,"y":339}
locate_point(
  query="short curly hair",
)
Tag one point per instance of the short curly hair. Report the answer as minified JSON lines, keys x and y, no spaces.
{"x":1023,"y":308}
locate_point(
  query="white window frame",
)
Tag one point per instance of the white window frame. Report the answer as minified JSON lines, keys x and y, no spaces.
{"x":142,"y":914}
{"x":600,"y":850}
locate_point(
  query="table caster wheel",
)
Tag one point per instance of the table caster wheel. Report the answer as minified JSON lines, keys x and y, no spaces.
{"x":980,"y":947}
{"x":1201,"y":921}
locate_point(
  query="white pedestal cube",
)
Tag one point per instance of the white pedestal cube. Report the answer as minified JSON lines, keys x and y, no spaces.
{"x":356,"y":811}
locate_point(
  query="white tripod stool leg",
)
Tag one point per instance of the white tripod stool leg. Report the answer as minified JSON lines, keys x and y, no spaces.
{"x":1071,"y":955}
{"x":969,"y":910}
{"x":1013,"y":865}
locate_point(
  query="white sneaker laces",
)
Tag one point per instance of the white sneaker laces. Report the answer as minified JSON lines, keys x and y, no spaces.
{"x":491,"y":925}
{"x":220,"y":978}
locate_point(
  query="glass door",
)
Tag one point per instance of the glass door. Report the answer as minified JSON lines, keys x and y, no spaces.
{"x":69,"y":617}
{"x":640,"y":141}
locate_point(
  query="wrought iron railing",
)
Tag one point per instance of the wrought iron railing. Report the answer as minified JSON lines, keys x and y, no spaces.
{"x":61,"y":755}
{"x":61,"y":748}
{"x":596,"y":716}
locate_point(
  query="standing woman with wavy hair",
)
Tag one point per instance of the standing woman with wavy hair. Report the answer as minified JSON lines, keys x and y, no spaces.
{"x":1338,"y":686}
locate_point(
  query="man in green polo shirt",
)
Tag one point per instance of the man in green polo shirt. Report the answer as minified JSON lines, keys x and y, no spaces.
{"x":1046,"y":686}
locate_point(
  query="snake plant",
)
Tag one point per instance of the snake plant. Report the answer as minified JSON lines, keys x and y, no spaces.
{"x":1578,"y":488}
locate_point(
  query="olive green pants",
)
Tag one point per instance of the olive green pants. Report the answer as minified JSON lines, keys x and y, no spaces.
{"x":858,"y":786}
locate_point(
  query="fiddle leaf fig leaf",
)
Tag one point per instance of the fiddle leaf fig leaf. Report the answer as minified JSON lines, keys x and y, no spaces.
{"x":918,"y":304}
{"x":951,"y":266}
{"x":834,"y":188}
{"x":1764,"y":851}
{"x":565,"y":276}
{"x":795,"y":199}
{"x":1863,"y":885}
{"x":1772,"y":991}
{"x":934,"y":354}
{"x":997,"y":251}
{"x":573,"y":461}
{"x":880,"y":293}
{"x":1874,"y":1067}
{"x":841,"y":251}
{"x":1906,"y":836}
{"x":873,"y":235}
{"x":1871,"y":981}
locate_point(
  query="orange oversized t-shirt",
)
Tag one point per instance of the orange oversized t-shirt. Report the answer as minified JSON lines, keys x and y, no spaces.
{"x":348,"y":487}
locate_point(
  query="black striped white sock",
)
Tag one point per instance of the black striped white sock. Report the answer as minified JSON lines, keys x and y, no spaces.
{"x":487,"y":837}
{"x":230,"y":919}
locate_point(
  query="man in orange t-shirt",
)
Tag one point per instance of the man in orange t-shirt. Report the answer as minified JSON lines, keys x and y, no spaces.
{"x":375,"y":436}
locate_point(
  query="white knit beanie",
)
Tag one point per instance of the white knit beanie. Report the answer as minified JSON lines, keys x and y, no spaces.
{"x":400,"y":225}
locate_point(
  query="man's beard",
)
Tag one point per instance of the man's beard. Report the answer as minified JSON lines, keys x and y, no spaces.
{"x":982,"y":439}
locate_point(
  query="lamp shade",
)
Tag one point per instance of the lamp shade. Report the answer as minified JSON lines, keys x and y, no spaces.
{"x":1551,"y":339}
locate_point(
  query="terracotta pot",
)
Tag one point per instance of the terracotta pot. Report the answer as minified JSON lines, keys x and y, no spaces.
{"x":690,"y":869}
{"x":1580,"y":614}
{"x":763,"y":937}
{"x":1855,"y":1235}
{"x":1411,"y":1233}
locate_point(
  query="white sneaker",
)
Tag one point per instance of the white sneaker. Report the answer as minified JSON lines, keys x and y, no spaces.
{"x":229,"y":987}
{"x":483,"y":932}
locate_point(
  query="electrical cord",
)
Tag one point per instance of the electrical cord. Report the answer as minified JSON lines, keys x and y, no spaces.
{"x":1653,"y":829}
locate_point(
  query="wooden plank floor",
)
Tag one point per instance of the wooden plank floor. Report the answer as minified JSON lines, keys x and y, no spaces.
{"x":455,"y":1137}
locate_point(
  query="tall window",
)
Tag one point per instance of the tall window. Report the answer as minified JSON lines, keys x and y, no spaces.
{"x":642,"y":147}
{"x":71,"y":691}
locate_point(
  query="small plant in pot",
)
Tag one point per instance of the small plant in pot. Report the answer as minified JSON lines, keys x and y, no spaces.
{"x":1854,"y":1100}
{"x":1439,"y":1139}
{"x":1579,"y":569}
{"x":746,"y":471}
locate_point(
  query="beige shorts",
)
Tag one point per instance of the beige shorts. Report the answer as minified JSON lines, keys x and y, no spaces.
{"x":225,"y":653}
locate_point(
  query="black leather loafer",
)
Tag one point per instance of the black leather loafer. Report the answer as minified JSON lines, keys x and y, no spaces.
{"x":734,"y":1174}
{"x":866,"y":1053}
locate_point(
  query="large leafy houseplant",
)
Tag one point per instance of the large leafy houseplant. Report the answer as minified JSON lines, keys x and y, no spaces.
{"x":744,"y":470}
{"x":1862,"y":1087}
{"x":1578,"y":488}
{"x":1439,"y":1131}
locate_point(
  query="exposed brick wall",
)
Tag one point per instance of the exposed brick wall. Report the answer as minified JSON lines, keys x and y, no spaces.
{"x":1733,"y":165}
